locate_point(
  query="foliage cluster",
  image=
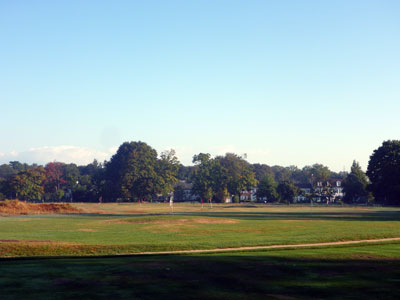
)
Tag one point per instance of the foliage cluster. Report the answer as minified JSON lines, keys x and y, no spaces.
{"x":55,"y":181}
{"x":384,"y":173}
{"x":221,"y":177}
{"x":136,"y":172}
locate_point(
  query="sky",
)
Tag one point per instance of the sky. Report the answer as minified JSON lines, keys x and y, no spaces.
{"x":284,"y":82}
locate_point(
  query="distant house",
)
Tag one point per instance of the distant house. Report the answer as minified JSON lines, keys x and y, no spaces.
{"x":248,"y":195}
{"x":337,"y":188}
{"x":305,"y":189}
{"x":329,"y":191}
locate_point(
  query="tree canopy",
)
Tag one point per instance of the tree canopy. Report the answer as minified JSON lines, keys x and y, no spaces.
{"x":239,"y":173}
{"x":208,"y":177}
{"x":286,"y":191}
{"x":267,"y":188}
{"x":384,"y":173}
{"x":131,"y":172}
{"x":28,"y":185}
{"x":221,"y":176}
{"x":355,"y":185}
{"x":167,"y":170}
{"x":135,"y":172}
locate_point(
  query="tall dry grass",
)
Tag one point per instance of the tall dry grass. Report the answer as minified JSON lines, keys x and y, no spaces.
{"x":16,"y":207}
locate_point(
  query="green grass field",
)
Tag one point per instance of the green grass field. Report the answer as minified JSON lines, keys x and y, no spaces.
{"x":362,"y":272}
{"x":340,"y":272}
{"x":131,"y":228}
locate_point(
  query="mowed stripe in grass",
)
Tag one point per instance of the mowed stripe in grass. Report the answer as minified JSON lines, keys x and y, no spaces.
{"x":120,"y":231}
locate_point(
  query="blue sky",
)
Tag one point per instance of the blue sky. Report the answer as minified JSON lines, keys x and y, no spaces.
{"x":287,"y":82}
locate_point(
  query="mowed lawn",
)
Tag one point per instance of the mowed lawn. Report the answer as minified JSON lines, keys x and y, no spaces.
{"x":351,"y":272}
{"x":130,"y":228}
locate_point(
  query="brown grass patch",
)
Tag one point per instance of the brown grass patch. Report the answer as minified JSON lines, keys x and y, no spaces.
{"x":176,"y":221}
{"x":16,"y":207}
{"x":343,"y":216}
{"x":117,"y":222}
{"x":24,"y":241}
{"x":40,"y":248}
{"x":8,"y":241}
{"x":162,"y":228}
{"x":214,"y":221}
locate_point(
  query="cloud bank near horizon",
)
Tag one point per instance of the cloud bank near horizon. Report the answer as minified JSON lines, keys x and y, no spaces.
{"x":63,"y":153}
{"x":83,"y":155}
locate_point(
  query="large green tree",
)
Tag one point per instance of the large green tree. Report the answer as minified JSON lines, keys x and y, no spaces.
{"x":355,"y":185}
{"x":167,"y":170}
{"x":221,"y":176}
{"x":6,"y":171}
{"x":286,"y":191}
{"x":29,"y":184}
{"x":185,"y":172}
{"x":71,"y":174}
{"x":316,"y":172}
{"x":261,"y":170}
{"x":18,"y":167}
{"x":267,"y":188}
{"x":384,"y":173}
{"x":208,"y":177}
{"x":91,"y":184}
{"x":281,"y":173}
{"x":132,"y":172}
{"x":239,"y":173}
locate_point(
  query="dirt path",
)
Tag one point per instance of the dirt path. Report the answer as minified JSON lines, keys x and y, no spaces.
{"x":266,"y":247}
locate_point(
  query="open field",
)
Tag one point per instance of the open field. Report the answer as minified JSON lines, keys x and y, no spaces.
{"x":355,"y":272}
{"x":132,"y":228}
{"x":335,"y":272}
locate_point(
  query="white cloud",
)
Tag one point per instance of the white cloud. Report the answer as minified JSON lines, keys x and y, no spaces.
{"x":185,"y":154}
{"x":64,"y":153}
{"x":113,"y":149}
{"x":83,"y":155}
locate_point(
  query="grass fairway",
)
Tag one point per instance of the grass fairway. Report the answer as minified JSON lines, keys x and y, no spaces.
{"x":132,"y":228}
{"x":362,"y":272}
{"x":345,"y":272}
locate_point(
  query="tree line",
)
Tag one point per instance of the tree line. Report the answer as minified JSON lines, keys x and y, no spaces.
{"x":137,"y":173}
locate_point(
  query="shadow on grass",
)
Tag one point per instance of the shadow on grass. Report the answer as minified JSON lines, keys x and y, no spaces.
{"x":200,"y":277}
{"x":332,"y":216}
{"x":340,"y":216}
{"x":118,"y":215}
